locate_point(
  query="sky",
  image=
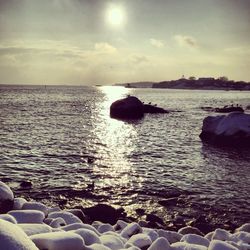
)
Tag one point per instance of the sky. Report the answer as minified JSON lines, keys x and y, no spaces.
{"x":88,"y":42}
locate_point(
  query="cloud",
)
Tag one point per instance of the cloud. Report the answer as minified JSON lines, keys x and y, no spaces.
{"x":138,"y":59}
{"x":105,"y":48}
{"x":186,"y":41}
{"x":157,"y":43}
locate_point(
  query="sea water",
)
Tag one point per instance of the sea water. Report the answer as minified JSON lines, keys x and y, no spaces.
{"x":62,"y":139}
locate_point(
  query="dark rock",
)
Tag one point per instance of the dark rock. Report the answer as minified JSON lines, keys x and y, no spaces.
{"x":6,"y":206}
{"x":140,"y":211}
{"x":128,"y":108}
{"x":104,"y":213}
{"x":26,"y":184}
{"x":147,"y":108}
{"x":132,"y":108}
{"x":154,"y":218}
{"x":168,"y":202}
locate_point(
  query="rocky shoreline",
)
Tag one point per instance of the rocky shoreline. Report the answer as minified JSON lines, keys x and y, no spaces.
{"x":31,"y":225}
{"x":173,"y":211}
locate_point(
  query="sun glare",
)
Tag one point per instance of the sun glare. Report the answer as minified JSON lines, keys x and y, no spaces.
{"x":115,"y":15}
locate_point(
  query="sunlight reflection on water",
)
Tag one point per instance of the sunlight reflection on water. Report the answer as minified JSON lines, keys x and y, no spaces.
{"x":118,"y":137}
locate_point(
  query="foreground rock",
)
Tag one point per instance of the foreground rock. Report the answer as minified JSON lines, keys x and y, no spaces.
{"x":232,"y":129}
{"x":6,"y":198}
{"x":56,"y":229}
{"x":132,"y":108}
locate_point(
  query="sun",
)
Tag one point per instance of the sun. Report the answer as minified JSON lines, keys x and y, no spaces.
{"x":115,"y":15}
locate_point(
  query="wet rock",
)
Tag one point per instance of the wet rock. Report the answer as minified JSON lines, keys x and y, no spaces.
{"x":154,"y":218}
{"x":169,"y":202}
{"x":128,"y":108}
{"x":140,"y":211}
{"x":6,"y":198}
{"x":132,"y":108}
{"x":104,"y":213}
{"x":78,"y":213}
{"x":26,"y":184}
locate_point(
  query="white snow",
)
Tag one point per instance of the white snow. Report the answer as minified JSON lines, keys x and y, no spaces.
{"x":160,"y":244}
{"x":8,"y":218}
{"x":186,"y":246}
{"x":18,"y":203}
{"x":220,"y":245}
{"x":227,"y":124}
{"x":58,"y":241}
{"x":13,"y":238}
{"x":31,"y":229}
{"x":89,"y":236}
{"x":5,"y":192}
{"x":112,"y":241}
{"x":27,"y":216}
{"x":35,"y":206}
{"x":195,"y":239}
{"x":68,"y":217}
{"x":140,"y":240}
{"x":130,"y":230}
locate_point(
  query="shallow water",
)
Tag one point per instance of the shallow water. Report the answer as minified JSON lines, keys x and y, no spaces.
{"x":47,"y":135}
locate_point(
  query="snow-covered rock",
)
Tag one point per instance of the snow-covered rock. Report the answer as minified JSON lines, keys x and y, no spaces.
{"x":131,"y":229}
{"x":58,"y":241}
{"x":35,"y":206}
{"x":221,"y":245}
{"x":112,"y":241}
{"x":6,"y":198}
{"x":18,"y":203}
{"x":189,"y":230}
{"x":57,"y":222}
{"x":8,"y":218}
{"x":232,"y":129}
{"x":105,"y":228}
{"x":27,"y":216}
{"x":89,"y":236}
{"x":171,"y":236}
{"x":186,"y":246}
{"x":195,"y":239}
{"x":160,"y":244}
{"x":68,"y":217}
{"x":140,"y":240}
{"x":221,"y":234}
{"x":245,"y":228}
{"x":31,"y":229}
{"x":75,"y":226}
{"x":13,"y":238}
{"x":153,"y":235}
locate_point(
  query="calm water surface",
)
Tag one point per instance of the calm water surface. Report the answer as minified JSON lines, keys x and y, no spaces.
{"x":48,"y":134}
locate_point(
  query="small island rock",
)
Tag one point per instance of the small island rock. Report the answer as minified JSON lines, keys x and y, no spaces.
{"x":232,"y":129}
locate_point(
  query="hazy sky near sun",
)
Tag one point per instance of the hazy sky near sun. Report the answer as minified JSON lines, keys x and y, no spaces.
{"x":102,"y":41}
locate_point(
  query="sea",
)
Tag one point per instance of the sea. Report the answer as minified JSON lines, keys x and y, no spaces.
{"x":63,"y":141}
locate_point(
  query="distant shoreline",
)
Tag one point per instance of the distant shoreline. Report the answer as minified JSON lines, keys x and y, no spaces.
{"x":198,"y":84}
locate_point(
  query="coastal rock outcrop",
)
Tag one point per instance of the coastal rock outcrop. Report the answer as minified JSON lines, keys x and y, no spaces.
{"x":132,"y":108}
{"x":232,"y":129}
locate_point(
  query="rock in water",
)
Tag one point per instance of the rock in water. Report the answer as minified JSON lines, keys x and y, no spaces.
{"x":128,"y":108}
{"x":232,"y":129}
{"x":13,"y":238}
{"x":6,"y":198}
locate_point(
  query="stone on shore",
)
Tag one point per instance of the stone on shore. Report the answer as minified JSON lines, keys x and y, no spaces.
{"x":58,"y":241}
{"x":232,"y":129}
{"x":27,"y":216}
{"x":6,"y":198}
{"x":13,"y":238}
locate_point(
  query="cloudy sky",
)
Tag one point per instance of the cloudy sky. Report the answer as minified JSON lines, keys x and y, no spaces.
{"x":105,"y":41}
